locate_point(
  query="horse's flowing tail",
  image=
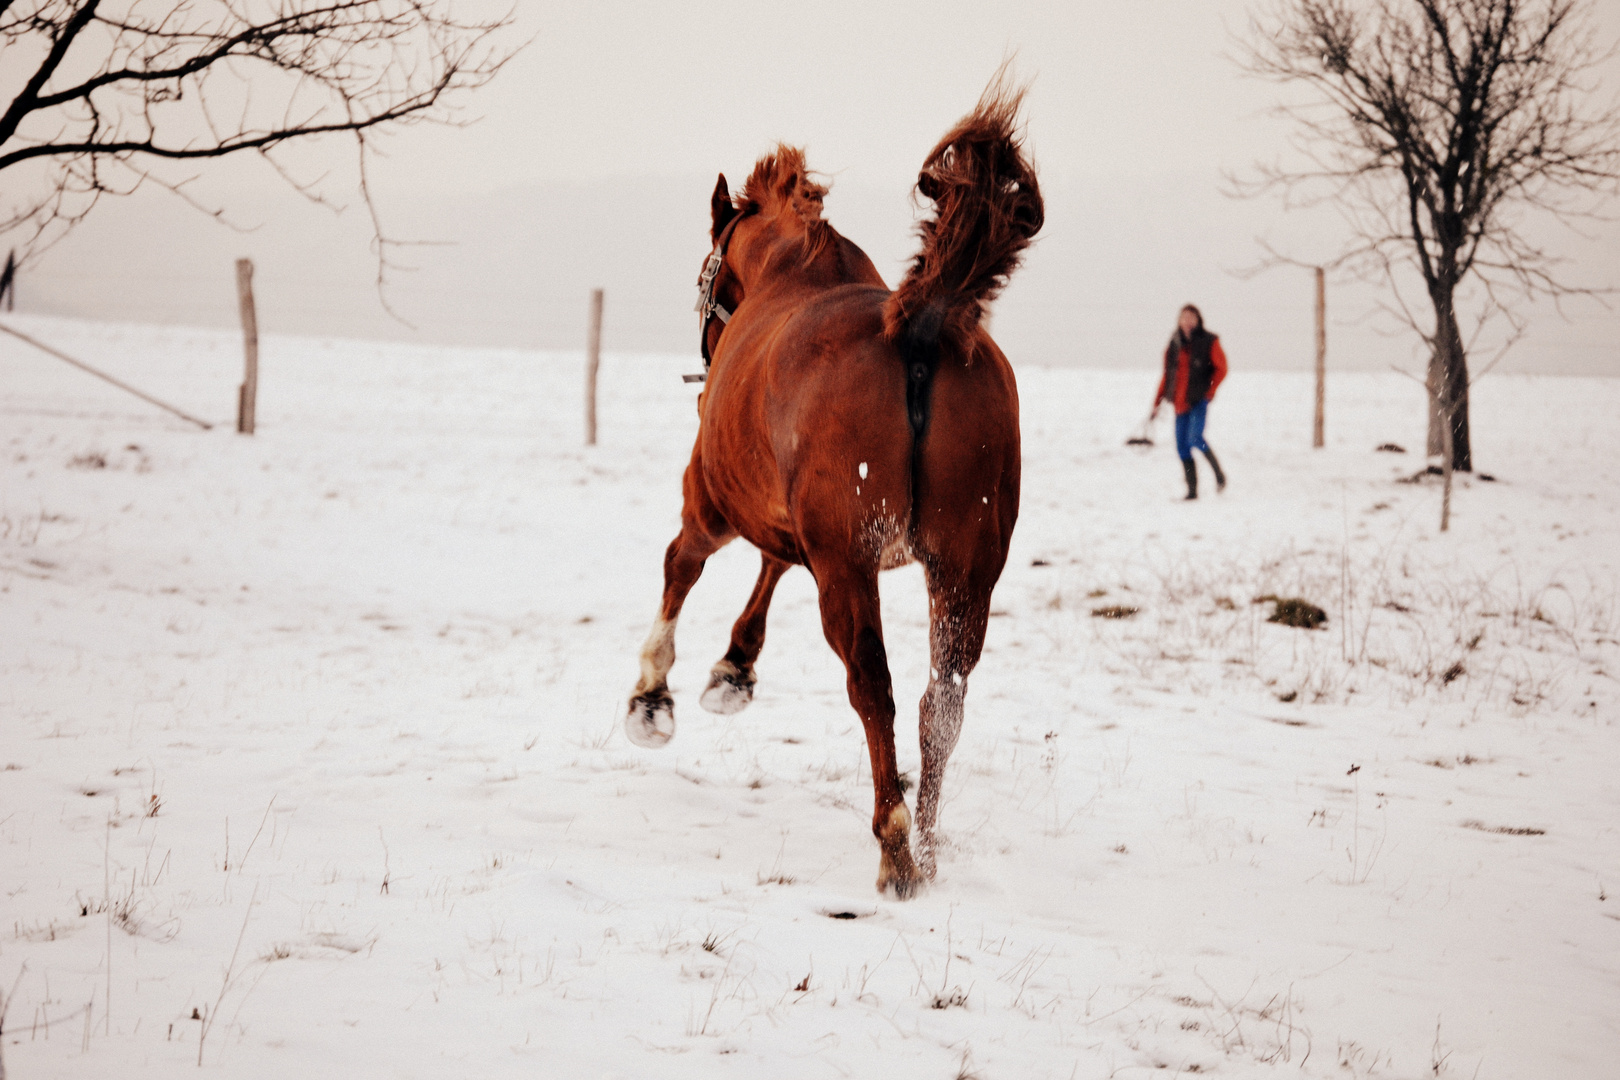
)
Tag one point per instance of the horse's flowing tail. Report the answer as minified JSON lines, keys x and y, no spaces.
{"x":987,"y":208}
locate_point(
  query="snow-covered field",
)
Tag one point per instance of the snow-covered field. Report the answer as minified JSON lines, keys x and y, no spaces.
{"x":312,"y":760}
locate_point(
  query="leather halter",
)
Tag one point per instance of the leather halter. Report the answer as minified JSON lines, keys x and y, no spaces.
{"x":707,"y":306}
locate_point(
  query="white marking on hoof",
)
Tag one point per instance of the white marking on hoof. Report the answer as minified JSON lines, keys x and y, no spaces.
{"x":723,"y":699}
{"x":727,"y":693}
{"x":650,"y":723}
{"x":657,"y":655}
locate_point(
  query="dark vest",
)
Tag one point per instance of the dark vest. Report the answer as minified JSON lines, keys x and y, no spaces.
{"x":1200,"y":368}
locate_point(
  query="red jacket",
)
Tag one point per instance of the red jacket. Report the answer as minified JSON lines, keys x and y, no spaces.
{"x":1217,"y":357}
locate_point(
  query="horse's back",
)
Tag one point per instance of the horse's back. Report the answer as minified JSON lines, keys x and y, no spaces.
{"x":829,"y":365}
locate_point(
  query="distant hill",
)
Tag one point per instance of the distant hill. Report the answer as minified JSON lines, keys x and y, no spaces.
{"x":515,"y":267}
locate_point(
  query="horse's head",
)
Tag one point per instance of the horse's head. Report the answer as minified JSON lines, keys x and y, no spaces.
{"x":772,"y":226}
{"x":778,"y":202}
{"x":780,"y":195}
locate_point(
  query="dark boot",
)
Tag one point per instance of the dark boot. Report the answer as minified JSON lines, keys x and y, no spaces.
{"x":1220,"y":477}
{"x":1191,"y":470}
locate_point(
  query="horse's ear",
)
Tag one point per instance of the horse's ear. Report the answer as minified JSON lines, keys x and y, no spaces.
{"x":720,"y":208}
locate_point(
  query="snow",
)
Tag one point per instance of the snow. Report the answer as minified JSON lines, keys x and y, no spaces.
{"x":316,"y":736}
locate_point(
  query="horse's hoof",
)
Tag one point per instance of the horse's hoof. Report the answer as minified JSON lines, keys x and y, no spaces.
{"x":897,"y":872}
{"x":650,"y":722}
{"x":904,"y":886}
{"x":729,"y":691}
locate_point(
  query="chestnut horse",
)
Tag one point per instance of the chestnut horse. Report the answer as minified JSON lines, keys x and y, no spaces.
{"x":850,"y":429}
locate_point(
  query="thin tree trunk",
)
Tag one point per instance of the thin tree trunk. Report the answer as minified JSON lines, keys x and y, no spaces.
{"x":1447,"y":344}
{"x":1445,"y":477}
{"x":1448,"y":388}
{"x":1462,"y":454}
{"x":1435,"y":444}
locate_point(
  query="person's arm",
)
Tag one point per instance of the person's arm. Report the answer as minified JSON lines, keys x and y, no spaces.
{"x":1217,"y":356}
{"x":1158,"y":395}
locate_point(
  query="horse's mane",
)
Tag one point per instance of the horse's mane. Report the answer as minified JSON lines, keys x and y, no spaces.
{"x":781,"y":181}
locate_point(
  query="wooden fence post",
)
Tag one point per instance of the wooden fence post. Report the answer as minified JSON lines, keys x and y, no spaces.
{"x":593,"y":361}
{"x":1321,"y":357}
{"x":248,"y":396}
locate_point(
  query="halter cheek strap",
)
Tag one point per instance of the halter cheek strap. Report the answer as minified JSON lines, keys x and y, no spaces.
{"x":708,"y":307}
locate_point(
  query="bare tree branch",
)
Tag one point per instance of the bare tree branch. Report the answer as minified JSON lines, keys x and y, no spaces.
{"x":107,"y":94}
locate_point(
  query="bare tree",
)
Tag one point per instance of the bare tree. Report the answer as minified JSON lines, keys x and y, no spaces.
{"x":98,"y":97}
{"x":1432,"y":126}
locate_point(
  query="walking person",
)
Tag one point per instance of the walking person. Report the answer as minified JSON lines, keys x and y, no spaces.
{"x":1194,"y":365}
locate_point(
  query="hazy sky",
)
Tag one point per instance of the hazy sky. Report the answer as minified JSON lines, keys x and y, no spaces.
{"x":592,"y":155}
{"x":618,"y":88}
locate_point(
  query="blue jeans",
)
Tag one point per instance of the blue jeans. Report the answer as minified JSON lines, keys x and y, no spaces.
{"x":1190,"y":431}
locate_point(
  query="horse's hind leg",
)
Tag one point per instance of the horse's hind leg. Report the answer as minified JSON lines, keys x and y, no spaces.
{"x":731,"y":683}
{"x":851,"y":619}
{"x":959,"y":611}
{"x":650,"y":721}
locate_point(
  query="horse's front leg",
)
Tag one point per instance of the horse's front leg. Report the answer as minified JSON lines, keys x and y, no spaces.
{"x":731,"y":682}
{"x":650,"y":721}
